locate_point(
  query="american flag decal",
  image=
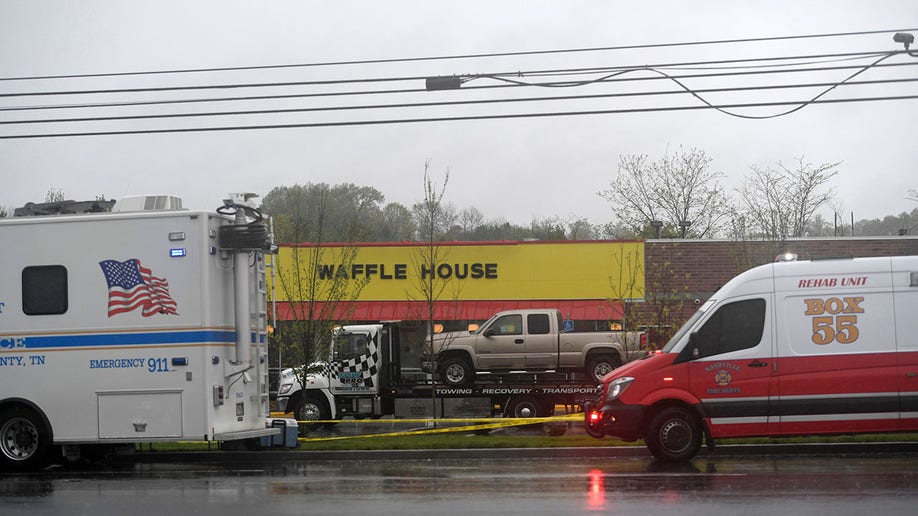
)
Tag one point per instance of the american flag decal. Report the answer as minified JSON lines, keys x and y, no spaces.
{"x":132,"y":286}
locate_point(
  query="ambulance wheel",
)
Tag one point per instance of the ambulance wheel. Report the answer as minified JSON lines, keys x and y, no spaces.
{"x":312,"y":408}
{"x":601,"y":365}
{"x":456,"y":371}
{"x":674,"y":435}
{"x":25,"y":441}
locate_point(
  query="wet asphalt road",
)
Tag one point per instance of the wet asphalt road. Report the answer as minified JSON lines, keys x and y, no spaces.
{"x":876,"y":480}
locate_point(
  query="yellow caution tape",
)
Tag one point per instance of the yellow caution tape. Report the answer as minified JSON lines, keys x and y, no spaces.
{"x":482,"y":424}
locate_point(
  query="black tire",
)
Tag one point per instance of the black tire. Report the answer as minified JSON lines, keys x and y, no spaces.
{"x":456,"y":371}
{"x":674,"y":435}
{"x":524,"y":407}
{"x":312,"y":408}
{"x":600,"y":365}
{"x":25,"y":440}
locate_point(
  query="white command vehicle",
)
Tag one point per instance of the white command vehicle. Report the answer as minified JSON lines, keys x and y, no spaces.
{"x":788,"y":348}
{"x":126,"y":327}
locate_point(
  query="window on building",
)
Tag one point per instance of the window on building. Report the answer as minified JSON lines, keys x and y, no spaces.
{"x":44,"y":290}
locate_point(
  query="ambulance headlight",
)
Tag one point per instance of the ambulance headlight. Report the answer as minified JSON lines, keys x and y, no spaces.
{"x":284,"y":389}
{"x":617,"y":387}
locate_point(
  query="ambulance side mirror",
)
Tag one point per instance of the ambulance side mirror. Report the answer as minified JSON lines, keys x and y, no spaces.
{"x":693,"y":345}
{"x":690,"y":351}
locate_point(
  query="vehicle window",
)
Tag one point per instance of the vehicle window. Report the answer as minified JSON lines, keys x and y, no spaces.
{"x":538,"y":324}
{"x":44,"y":290}
{"x":351,"y":345}
{"x":733,"y":327}
{"x":508,"y":325}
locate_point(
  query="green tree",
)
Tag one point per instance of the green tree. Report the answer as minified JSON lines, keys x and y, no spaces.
{"x":345,"y":212}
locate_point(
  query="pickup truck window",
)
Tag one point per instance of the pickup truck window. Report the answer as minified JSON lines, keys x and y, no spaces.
{"x":507,"y":325}
{"x":538,"y":324}
{"x":733,"y":327}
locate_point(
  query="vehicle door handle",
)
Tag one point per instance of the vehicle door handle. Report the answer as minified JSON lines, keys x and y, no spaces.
{"x":757,"y":363}
{"x":518,"y":341}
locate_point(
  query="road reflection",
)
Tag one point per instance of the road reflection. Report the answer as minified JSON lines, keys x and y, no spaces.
{"x":459,"y":486}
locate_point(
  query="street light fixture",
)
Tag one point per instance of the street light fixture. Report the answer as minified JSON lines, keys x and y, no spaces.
{"x":684,"y":224}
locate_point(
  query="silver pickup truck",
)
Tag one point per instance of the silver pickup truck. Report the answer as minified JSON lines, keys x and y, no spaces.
{"x":531,"y":341}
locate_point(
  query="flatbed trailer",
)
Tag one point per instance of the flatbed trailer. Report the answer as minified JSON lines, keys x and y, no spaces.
{"x":374,"y":374}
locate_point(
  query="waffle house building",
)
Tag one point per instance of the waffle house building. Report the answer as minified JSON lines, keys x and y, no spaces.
{"x":587,"y":280}
{"x":591,"y":282}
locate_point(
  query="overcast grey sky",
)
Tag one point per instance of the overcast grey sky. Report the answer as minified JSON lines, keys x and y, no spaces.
{"x":515,"y":169}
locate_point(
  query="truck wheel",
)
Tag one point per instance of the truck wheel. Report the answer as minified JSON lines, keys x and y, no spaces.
{"x":601,"y":365}
{"x":25,"y":441}
{"x":674,"y":435}
{"x":312,"y":408}
{"x":455,"y":371}
{"x":524,"y":407}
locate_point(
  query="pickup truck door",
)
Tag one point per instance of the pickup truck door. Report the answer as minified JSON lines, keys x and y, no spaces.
{"x":541,"y":343}
{"x":501,"y":344}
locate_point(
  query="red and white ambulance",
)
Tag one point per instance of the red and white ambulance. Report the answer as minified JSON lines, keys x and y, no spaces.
{"x":787,"y":348}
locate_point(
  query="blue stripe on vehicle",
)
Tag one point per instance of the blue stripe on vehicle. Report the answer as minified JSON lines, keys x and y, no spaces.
{"x":129,"y":339}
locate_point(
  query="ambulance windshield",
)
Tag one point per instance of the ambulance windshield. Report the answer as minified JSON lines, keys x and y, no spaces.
{"x":685,"y":328}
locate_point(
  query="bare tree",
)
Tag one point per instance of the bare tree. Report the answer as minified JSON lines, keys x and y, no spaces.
{"x":54,"y":195}
{"x":317,"y":282}
{"x":432,"y":225}
{"x":679,"y":195}
{"x":627,"y":288}
{"x":430,"y":287}
{"x":470,"y":218}
{"x":780,"y":203}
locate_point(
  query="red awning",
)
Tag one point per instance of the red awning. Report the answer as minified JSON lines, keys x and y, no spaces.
{"x":576,"y":309}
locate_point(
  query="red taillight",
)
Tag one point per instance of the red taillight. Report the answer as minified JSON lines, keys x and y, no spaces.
{"x":595,"y":416}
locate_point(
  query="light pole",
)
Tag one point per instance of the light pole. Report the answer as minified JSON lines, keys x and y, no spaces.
{"x":684,"y":224}
{"x":656,"y":225}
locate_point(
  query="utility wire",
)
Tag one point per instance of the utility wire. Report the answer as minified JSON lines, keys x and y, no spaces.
{"x":421,"y":90}
{"x":695,"y":92}
{"x":458,"y":118}
{"x":329,"y":82}
{"x":702,"y":99}
{"x":459,"y":56}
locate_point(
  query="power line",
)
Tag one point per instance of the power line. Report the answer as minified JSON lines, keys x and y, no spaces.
{"x":460,"y":56}
{"x":329,"y":82}
{"x":409,"y":105}
{"x":458,"y":118}
{"x":421,"y":90}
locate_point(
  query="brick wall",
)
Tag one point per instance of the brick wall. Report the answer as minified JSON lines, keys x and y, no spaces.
{"x":679,"y":272}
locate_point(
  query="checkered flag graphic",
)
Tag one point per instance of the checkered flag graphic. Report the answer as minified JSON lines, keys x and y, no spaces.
{"x":363,"y":364}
